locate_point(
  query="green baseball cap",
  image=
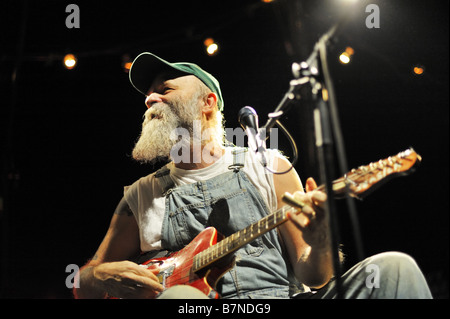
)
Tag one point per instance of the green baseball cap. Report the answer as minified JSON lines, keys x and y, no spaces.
{"x":147,"y":66}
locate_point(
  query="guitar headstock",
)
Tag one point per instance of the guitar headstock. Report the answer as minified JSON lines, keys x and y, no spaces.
{"x":359,"y":182}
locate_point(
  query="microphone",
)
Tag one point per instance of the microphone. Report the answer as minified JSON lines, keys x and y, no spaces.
{"x":248,"y":119}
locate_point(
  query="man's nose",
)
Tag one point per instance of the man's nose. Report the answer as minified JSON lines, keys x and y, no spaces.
{"x":152,"y":98}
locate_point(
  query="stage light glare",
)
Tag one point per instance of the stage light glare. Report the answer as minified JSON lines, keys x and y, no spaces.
{"x":344,"y":58}
{"x":267,"y":1}
{"x":70,"y":61}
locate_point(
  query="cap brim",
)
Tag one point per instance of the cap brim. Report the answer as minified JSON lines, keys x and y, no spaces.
{"x":145,"y":68}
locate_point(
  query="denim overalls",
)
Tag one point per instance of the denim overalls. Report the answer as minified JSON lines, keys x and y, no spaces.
{"x":229,"y":202}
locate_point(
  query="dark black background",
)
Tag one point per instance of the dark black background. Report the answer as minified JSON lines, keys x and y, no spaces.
{"x":66,"y":135}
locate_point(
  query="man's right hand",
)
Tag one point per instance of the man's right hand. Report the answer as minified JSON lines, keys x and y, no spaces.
{"x":125,"y":279}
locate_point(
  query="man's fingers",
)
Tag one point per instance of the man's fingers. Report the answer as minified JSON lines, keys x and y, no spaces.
{"x":302,"y":218}
{"x":146,"y":282}
{"x":318,"y":198}
{"x":137,"y":276}
{"x":148,"y":277}
{"x":310,"y":184}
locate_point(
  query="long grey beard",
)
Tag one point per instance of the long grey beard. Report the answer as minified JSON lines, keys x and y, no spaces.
{"x":159,"y":130}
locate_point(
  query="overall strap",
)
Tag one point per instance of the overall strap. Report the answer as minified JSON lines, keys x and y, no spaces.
{"x":165,"y":181}
{"x":238,"y":158}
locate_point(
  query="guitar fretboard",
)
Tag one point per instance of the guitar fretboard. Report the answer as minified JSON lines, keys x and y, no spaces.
{"x":237,"y":240}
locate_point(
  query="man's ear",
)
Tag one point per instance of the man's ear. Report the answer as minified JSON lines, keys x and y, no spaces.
{"x":210,"y":103}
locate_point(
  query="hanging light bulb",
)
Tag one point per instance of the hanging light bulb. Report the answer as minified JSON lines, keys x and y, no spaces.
{"x":418,"y":69}
{"x":126,"y":63}
{"x":345,"y":57}
{"x":70,"y":61}
{"x":211,"y":46}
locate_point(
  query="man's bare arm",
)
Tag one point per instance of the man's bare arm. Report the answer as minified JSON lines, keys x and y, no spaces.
{"x":307,"y":244}
{"x":109,"y":271}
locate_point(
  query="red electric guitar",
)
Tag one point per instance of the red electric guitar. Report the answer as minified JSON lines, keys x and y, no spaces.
{"x":201,"y":263}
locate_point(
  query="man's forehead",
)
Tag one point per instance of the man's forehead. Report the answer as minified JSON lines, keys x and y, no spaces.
{"x":170,"y":79}
{"x":158,"y":82}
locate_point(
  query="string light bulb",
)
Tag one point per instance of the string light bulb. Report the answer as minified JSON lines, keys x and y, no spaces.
{"x":211,"y":46}
{"x":346,"y":56}
{"x":418,"y":69}
{"x":126,"y":63}
{"x":70,"y":61}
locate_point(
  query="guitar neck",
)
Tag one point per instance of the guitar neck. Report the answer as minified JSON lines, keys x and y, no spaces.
{"x":239,"y":239}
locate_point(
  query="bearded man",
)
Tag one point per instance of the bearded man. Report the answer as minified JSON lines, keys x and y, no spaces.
{"x":209,"y":184}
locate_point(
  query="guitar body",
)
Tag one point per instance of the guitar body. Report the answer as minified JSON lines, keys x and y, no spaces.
{"x":177,"y":268}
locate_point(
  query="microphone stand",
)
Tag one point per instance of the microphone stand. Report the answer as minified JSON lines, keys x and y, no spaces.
{"x":313,"y":83}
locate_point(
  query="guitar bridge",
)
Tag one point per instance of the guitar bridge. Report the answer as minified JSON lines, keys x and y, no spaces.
{"x":163,"y":274}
